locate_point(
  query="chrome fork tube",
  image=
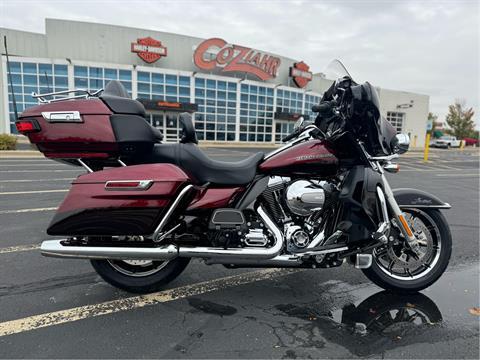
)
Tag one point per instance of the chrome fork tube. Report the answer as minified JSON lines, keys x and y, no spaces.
{"x":399,"y":216}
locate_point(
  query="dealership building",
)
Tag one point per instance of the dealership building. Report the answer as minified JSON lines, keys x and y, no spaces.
{"x":236,"y":93}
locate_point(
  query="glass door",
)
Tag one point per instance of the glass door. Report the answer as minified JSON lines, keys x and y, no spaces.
{"x":171,"y":127}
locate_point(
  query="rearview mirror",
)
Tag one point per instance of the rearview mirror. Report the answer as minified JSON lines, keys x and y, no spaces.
{"x":401,"y":143}
{"x":299,"y":123}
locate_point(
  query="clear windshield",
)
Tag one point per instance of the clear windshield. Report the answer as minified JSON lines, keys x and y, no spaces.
{"x":336,"y":70}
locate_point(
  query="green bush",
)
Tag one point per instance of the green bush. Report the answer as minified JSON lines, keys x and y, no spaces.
{"x":7,"y":142}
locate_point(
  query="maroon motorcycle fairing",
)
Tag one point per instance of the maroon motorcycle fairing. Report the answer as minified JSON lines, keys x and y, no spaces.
{"x":312,"y":157}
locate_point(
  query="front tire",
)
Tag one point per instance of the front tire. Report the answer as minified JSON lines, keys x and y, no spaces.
{"x":438,"y":245}
{"x":139,"y":277}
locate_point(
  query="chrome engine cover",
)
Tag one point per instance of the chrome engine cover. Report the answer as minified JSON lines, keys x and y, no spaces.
{"x":303,"y":197}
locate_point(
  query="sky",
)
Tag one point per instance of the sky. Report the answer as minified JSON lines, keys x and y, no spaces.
{"x":428,"y":47}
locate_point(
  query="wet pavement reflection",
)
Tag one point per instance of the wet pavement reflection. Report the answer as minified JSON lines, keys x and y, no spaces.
{"x":336,"y":319}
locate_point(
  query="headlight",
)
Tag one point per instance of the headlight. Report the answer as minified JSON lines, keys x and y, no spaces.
{"x":401,"y":143}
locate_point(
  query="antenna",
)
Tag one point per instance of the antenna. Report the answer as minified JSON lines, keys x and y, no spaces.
{"x":48,"y":82}
{"x":10,"y":78}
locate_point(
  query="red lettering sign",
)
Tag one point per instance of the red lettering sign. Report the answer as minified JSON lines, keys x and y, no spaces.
{"x":235,"y":58}
{"x":149,"y":49}
{"x":300,"y":74}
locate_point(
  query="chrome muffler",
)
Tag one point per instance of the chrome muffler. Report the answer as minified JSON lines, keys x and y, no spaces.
{"x":55,"y":248}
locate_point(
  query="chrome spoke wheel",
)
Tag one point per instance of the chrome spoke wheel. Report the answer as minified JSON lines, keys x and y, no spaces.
{"x":400,"y":262}
{"x":137,"y":268}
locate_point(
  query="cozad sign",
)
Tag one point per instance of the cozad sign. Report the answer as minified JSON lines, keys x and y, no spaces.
{"x":235,"y":58}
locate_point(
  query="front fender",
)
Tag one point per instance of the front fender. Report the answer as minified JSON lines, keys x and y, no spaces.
{"x":419,"y":199}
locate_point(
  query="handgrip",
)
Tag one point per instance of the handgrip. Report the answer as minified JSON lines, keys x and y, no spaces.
{"x":322,"y":108}
{"x":290,"y":137}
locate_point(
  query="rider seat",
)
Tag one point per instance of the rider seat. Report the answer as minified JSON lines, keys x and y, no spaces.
{"x":203,"y":169}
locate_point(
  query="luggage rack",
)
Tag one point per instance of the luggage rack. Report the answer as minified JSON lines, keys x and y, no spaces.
{"x":82,"y":94}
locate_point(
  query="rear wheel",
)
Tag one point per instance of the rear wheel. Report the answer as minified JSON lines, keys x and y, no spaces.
{"x":396,"y":267}
{"x":139,"y":276}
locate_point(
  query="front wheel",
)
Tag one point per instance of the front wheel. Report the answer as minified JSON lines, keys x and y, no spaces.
{"x":396,"y":267}
{"x":139,"y":276}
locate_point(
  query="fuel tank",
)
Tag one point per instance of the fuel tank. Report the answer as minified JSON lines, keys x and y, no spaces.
{"x":312,"y":157}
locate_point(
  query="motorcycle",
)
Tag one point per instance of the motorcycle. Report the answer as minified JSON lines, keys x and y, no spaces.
{"x":145,"y":208}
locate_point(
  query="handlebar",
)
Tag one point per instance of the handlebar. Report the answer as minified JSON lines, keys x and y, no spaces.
{"x":323,"y":107}
{"x":290,"y":137}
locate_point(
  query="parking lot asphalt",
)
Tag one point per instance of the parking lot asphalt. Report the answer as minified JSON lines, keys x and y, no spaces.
{"x":54,"y":308}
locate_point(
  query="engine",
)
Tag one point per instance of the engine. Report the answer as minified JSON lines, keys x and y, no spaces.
{"x":298,"y":207}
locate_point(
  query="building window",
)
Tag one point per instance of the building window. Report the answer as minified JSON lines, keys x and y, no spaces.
{"x":256,"y":113}
{"x":282,"y":129}
{"x":215,"y":119}
{"x":95,"y":78}
{"x":396,"y":119}
{"x":28,"y":77}
{"x":289,"y":101}
{"x":311,"y":100}
{"x":166,"y":87}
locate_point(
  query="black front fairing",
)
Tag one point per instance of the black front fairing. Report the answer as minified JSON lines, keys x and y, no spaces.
{"x":364,"y":120}
{"x":375,"y":131}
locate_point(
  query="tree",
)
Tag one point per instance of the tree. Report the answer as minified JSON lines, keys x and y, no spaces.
{"x":433,"y":118}
{"x":460,"y":119}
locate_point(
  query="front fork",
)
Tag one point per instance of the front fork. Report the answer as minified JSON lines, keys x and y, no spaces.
{"x":385,"y":196}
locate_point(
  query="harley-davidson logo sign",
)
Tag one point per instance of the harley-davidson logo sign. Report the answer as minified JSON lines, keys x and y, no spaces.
{"x":149,"y":49}
{"x":235,"y":58}
{"x":300,"y":74}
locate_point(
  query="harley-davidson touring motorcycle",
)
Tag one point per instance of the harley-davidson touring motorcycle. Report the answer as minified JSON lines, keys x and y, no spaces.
{"x":145,"y":208}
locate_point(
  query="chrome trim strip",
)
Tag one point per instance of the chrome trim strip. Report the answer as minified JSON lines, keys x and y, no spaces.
{"x":142,"y":185}
{"x":441,"y":206}
{"x":62,"y":116}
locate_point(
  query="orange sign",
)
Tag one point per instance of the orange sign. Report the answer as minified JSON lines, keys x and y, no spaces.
{"x":300,"y":74}
{"x":149,"y":49}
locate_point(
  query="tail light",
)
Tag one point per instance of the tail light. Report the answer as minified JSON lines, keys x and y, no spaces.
{"x":27,"y":126}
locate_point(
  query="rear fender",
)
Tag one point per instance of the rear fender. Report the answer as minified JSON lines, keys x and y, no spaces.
{"x":414,"y":198}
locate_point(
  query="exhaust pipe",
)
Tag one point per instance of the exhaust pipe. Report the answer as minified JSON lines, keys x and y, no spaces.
{"x":55,"y":248}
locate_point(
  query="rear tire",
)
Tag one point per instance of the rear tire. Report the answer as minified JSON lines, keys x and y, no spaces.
{"x":123,"y":275}
{"x":389,"y":281}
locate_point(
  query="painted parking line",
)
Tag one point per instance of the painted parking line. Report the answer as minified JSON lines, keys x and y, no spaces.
{"x":110,"y":307}
{"x":20,"y":248}
{"x":458,"y":175}
{"x":27,"y":210}
{"x":34,"y":180}
{"x":33,"y":192}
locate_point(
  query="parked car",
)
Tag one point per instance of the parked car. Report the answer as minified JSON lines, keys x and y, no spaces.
{"x":470,"y":141}
{"x":447,"y":141}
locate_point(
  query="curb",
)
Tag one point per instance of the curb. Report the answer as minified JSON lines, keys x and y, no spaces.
{"x":20,"y":154}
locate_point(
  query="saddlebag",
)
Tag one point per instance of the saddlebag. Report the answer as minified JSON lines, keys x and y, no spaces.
{"x":120,"y":201}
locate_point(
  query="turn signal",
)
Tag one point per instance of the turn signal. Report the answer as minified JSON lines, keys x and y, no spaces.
{"x":392,"y":168}
{"x":27,"y":126}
